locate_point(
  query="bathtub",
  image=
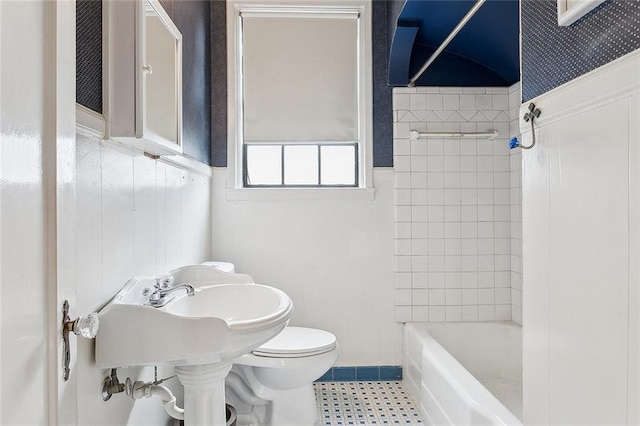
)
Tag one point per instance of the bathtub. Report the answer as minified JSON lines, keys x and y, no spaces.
{"x":465,"y":373}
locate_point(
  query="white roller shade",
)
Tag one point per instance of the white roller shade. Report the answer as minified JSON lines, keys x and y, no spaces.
{"x":300,"y":77}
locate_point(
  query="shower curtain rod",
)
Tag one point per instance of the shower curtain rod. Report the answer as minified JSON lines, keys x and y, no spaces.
{"x":457,"y":135}
{"x":446,"y":41}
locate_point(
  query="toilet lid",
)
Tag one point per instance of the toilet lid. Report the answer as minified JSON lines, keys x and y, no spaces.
{"x":297,"y":342}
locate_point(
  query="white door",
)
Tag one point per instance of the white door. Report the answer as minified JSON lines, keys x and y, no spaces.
{"x":37,"y":91}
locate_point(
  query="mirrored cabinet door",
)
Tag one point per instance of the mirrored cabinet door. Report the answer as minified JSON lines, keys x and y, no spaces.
{"x":152,"y":118}
{"x":160,"y":74}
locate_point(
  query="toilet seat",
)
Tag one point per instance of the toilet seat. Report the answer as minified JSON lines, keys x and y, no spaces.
{"x":297,"y":342}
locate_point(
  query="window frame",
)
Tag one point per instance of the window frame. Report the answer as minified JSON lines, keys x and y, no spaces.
{"x":236,"y":143}
{"x":282,"y":145}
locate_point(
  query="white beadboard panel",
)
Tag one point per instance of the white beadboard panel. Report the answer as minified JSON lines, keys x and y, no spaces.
{"x":196,"y":220}
{"x":536,"y":276}
{"x":162,"y":232}
{"x":89,"y":222}
{"x":135,"y":216}
{"x":117,"y":219}
{"x":633,"y":397}
{"x":593,"y":252}
{"x":580,"y":251}
{"x":514,"y":167}
{"x":145,"y":206}
{"x":173,"y":197}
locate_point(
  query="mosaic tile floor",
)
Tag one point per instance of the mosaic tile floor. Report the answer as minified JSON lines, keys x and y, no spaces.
{"x":365,"y":403}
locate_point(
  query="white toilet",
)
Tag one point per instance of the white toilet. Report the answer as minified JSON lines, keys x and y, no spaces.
{"x":273,"y":385}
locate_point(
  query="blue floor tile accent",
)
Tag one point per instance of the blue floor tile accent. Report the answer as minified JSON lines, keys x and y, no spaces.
{"x":390,"y":372}
{"x":367,"y":373}
{"x":344,"y":374}
{"x":326,"y":377}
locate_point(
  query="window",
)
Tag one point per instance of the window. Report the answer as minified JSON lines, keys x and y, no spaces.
{"x":301,"y":89}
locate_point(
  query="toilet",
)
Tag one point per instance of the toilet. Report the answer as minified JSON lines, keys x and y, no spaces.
{"x":273,"y":385}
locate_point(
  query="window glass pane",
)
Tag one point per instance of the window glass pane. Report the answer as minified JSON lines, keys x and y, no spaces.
{"x":301,"y":165}
{"x":264,"y":164}
{"x":338,"y":165}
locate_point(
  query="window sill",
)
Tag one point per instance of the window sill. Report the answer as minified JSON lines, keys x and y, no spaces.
{"x":300,"y":194}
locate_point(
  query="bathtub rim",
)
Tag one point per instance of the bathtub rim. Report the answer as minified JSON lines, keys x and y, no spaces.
{"x":474,"y":394}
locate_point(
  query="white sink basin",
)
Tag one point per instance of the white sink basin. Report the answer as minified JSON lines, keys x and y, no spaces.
{"x":258,"y":308}
{"x":227,"y":316}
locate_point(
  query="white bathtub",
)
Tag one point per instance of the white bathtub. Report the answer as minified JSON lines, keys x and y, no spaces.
{"x":465,"y":373}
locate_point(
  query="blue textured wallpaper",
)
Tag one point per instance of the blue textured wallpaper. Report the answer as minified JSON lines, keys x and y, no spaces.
{"x":553,"y":55}
{"x":382,"y":92}
{"x":218,"y":83}
{"x":89,"y":54}
{"x":193,"y":20}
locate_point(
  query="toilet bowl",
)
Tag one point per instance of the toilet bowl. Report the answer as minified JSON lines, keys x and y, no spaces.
{"x":273,"y":385}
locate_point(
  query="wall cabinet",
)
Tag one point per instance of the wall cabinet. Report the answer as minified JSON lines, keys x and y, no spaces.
{"x":144,"y":77}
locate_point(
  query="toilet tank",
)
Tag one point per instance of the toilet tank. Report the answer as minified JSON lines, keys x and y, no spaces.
{"x":223,"y":266}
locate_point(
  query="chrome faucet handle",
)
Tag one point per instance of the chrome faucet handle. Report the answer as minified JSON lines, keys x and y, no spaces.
{"x":164,"y":282}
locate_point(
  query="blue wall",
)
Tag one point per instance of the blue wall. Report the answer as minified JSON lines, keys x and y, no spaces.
{"x":218,"y":84}
{"x":382,"y":95}
{"x":192,"y":19}
{"x":553,"y":55}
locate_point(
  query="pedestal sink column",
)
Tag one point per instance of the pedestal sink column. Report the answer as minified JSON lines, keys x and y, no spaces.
{"x":204,"y":393}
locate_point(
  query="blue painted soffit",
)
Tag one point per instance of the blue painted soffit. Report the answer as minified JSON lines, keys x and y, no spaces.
{"x":484,"y":53}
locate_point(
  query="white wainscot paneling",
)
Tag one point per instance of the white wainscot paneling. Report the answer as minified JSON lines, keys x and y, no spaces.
{"x":173,"y":229}
{"x":580,"y":249}
{"x":589,"y":266}
{"x":145,"y":216}
{"x":634,"y":266}
{"x":117,"y":224}
{"x":135,"y":216}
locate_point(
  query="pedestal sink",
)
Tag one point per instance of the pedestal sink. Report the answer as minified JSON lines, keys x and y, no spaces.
{"x":225,"y":316}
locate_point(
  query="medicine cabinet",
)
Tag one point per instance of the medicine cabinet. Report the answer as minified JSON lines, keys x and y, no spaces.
{"x":144,"y":78}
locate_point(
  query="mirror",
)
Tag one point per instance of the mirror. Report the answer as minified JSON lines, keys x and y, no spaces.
{"x":161,"y":80}
{"x":144,"y":77}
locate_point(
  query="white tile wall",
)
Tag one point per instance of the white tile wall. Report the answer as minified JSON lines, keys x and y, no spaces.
{"x":454,"y":204}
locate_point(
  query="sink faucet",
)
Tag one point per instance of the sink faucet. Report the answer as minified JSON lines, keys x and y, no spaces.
{"x":158,"y":297}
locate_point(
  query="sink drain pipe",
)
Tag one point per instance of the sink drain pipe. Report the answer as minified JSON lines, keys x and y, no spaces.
{"x":139,"y":390}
